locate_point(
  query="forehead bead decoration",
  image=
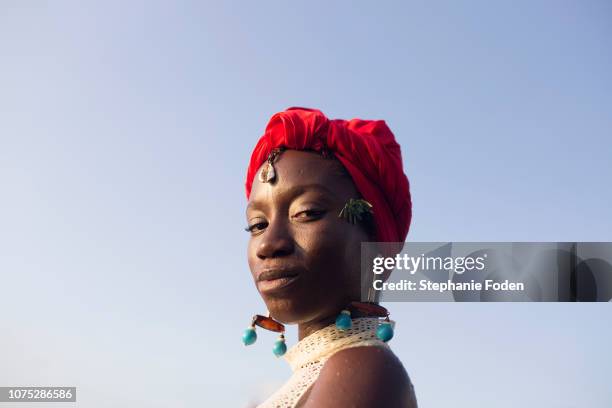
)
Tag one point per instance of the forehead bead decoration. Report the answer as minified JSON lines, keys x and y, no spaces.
{"x":268,"y":174}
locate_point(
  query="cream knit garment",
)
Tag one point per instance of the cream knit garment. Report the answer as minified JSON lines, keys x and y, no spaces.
{"x":307,"y":357}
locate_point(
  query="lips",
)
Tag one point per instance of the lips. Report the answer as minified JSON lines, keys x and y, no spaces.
{"x":271,"y":274}
{"x":276,"y":279}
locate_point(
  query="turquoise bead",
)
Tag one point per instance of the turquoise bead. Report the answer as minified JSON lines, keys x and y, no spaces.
{"x":343,"y":321}
{"x":249,"y":336}
{"x":279,"y":348}
{"x":384,"y":332}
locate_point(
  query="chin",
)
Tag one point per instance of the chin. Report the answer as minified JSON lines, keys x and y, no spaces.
{"x":299,"y":310}
{"x":291,"y":310}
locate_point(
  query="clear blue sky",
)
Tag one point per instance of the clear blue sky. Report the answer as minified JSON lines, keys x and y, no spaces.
{"x":125,"y":130}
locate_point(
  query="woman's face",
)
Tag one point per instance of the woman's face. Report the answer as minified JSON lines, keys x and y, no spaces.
{"x":305,"y":260}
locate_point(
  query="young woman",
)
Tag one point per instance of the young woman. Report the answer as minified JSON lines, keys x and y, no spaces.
{"x":316,"y":189}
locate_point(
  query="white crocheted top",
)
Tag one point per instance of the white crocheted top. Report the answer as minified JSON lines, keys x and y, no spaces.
{"x":307,"y":357}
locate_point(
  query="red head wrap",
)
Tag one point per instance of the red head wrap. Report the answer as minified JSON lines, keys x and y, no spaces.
{"x":366,"y":148}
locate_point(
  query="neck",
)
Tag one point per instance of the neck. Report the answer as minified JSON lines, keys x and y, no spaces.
{"x":306,"y":329}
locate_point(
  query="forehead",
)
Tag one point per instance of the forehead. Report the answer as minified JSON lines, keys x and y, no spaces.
{"x":297,"y":170}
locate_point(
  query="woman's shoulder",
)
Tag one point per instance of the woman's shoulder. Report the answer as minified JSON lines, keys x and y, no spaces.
{"x":364,"y":376}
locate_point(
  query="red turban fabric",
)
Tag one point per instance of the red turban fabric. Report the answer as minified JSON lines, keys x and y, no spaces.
{"x":366,"y":148}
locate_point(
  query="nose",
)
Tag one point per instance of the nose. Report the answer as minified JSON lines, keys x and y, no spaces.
{"x":276,"y":241}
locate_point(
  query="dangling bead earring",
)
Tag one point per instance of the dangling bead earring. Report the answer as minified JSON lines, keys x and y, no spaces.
{"x":385,"y":330}
{"x":344,"y":321}
{"x":280,"y":347}
{"x":250,"y":336}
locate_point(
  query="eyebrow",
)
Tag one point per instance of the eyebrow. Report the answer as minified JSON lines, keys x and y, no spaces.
{"x":295,"y":191}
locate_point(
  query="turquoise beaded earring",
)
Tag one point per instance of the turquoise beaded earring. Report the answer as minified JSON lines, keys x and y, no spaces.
{"x":344,"y":321}
{"x":250,"y":336}
{"x":280,"y":347}
{"x":384,"y":331}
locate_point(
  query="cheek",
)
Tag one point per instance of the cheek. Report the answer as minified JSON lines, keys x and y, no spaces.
{"x":329,"y":248}
{"x":251,"y":255}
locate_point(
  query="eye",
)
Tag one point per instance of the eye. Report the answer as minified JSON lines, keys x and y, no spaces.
{"x":257,"y":227}
{"x":311,"y":214}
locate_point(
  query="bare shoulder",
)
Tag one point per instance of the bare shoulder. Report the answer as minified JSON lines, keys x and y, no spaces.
{"x":362,"y":377}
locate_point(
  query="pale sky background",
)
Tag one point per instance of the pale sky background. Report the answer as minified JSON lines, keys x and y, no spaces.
{"x":125,"y":131}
